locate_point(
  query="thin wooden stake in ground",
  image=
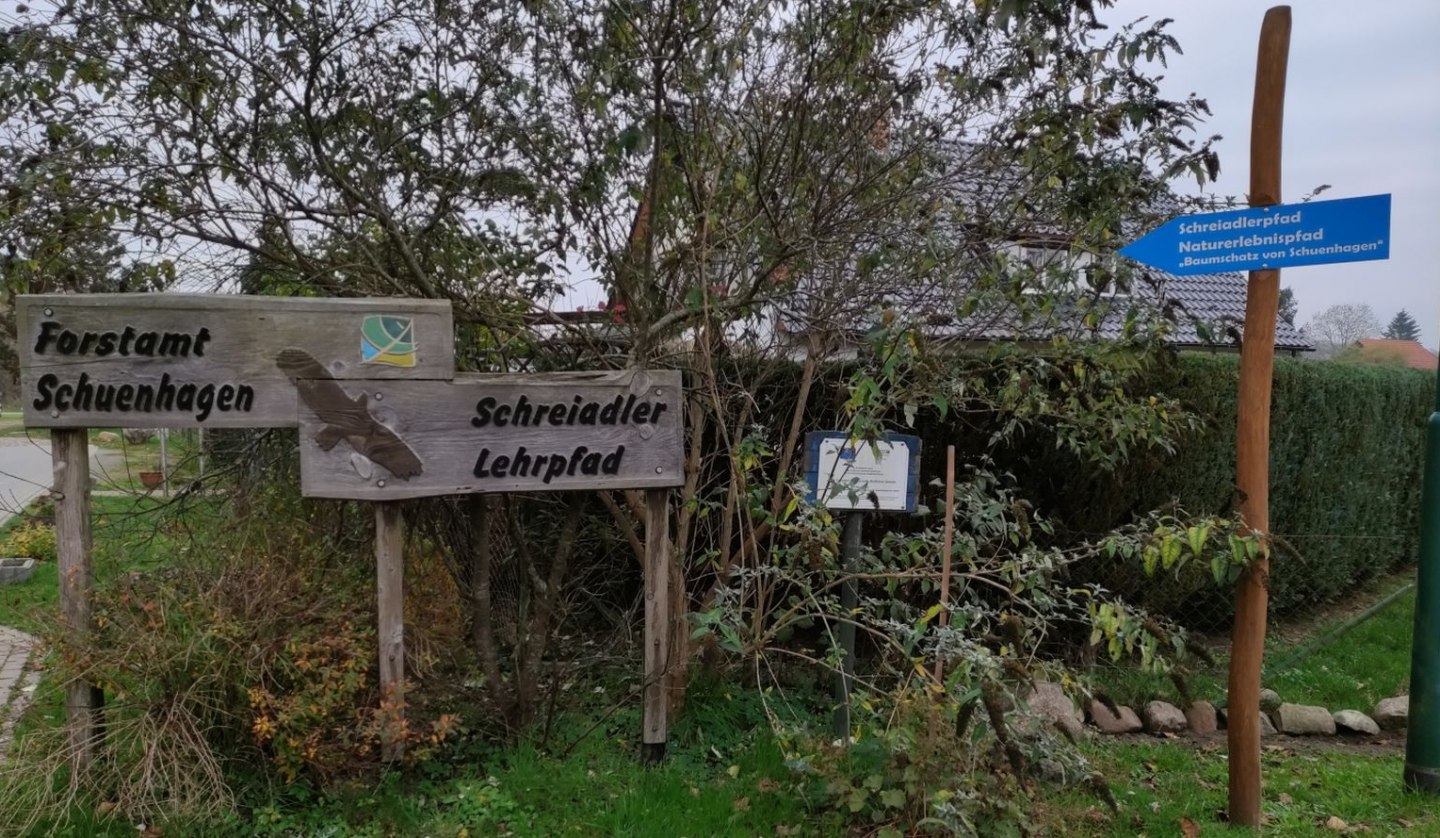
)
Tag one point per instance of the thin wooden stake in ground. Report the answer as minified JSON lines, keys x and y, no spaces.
{"x":1252,"y":442}
{"x":70,"y":452}
{"x":390,"y":594}
{"x":945,"y":548}
{"x":656,"y":697}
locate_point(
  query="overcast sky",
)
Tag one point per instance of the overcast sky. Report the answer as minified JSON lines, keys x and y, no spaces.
{"x":1362,"y":113}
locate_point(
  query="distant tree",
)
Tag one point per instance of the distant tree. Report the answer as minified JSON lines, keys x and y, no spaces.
{"x":1341,"y":325}
{"x":1289,"y":306}
{"x":1403,"y":327}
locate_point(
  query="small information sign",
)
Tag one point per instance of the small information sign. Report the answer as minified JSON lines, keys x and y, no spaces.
{"x":859,"y":475}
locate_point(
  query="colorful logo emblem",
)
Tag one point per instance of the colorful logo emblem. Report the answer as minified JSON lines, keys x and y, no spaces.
{"x":386,"y":339}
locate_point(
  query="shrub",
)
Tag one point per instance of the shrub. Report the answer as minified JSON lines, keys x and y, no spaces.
{"x":254,"y":657}
{"x":32,"y":538}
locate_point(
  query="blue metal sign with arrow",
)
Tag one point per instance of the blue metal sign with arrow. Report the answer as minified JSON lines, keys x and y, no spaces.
{"x":1262,"y":238}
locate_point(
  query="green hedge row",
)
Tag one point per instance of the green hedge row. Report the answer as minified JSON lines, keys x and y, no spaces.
{"x":1346,"y":460}
{"x":1347,"y":449}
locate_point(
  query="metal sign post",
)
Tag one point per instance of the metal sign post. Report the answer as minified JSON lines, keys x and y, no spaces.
{"x":858,"y":476}
{"x":1422,"y":740}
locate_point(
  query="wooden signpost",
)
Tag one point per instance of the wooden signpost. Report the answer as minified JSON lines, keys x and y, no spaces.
{"x":369,"y":381}
{"x":1262,"y":239}
{"x":1252,"y":437}
{"x":386,"y":440}
{"x":188,"y":360}
{"x":503,"y":433}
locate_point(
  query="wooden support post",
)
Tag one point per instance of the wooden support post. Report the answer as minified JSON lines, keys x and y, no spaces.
{"x":390,"y":592}
{"x":1252,"y":443}
{"x":70,"y":451}
{"x":655,"y":699}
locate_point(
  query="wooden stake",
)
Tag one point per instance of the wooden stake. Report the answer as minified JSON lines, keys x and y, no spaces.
{"x":945,"y":548}
{"x":1252,"y":443}
{"x":390,"y":592}
{"x":655,"y":699}
{"x":70,"y":452}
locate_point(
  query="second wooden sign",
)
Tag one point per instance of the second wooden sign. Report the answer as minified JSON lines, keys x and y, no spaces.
{"x":386,"y":440}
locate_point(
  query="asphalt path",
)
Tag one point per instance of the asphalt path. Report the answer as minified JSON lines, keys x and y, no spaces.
{"x":26,"y":471}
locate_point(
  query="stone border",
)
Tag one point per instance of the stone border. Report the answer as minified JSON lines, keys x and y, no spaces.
{"x":1201,"y":718}
{"x":16,"y":683}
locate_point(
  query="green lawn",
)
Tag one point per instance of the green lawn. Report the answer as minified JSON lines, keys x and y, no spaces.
{"x":1366,"y":663}
{"x":1157,"y":784}
{"x":127,"y":534}
{"x":725,"y":776}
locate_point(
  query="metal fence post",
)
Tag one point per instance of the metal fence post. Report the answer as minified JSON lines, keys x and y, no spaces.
{"x":1422,"y":742}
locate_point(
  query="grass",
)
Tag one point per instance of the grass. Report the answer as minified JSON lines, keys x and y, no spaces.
{"x":122,"y":473}
{"x":126,"y":534}
{"x":728,"y":778}
{"x":1353,"y":670}
{"x":1157,"y":784}
{"x":181,"y":460}
{"x":1367,"y":663}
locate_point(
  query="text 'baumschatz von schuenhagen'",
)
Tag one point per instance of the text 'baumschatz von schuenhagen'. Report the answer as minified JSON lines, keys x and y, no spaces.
{"x":1291,"y":243}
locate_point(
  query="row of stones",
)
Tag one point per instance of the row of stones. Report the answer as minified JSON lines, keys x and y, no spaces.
{"x":1203,"y":718}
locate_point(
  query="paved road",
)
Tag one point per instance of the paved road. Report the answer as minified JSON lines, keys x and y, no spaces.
{"x":25,"y":472}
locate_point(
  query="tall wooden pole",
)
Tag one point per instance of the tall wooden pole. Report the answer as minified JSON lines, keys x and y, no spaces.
{"x":655,"y":699}
{"x":946,"y":546}
{"x":1252,"y":439}
{"x":70,"y":453}
{"x":390,"y":616}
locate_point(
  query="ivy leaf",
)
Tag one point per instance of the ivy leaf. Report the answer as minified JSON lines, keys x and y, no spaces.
{"x":892,"y":798}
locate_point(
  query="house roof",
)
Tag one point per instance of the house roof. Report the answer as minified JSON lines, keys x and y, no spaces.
{"x":1207,"y":310}
{"x":1217,"y":301}
{"x":1412,"y":353}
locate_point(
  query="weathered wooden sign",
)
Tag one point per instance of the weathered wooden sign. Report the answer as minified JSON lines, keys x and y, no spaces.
{"x":374,"y":440}
{"x":213,"y":360}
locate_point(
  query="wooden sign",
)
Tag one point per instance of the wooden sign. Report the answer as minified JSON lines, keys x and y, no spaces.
{"x":379,"y":440}
{"x":211,"y":360}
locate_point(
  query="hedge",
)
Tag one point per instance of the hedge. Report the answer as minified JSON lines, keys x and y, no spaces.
{"x":1347,"y":450}
{"x":1346,"y":460}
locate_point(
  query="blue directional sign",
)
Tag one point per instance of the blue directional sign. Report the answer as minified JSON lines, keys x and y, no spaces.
{"x":1278,"y":236}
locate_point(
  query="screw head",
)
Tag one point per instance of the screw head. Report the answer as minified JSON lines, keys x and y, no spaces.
{"x":659,"y":470}
{"x":380,"y":482}
{"x":49,"y":312}
{"x":54,"y":414}
{"x":379,"y":397}
{"x":659,"y":392}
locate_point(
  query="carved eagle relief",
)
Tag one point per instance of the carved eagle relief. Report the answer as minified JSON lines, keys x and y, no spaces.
{"x":346,"y":418}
